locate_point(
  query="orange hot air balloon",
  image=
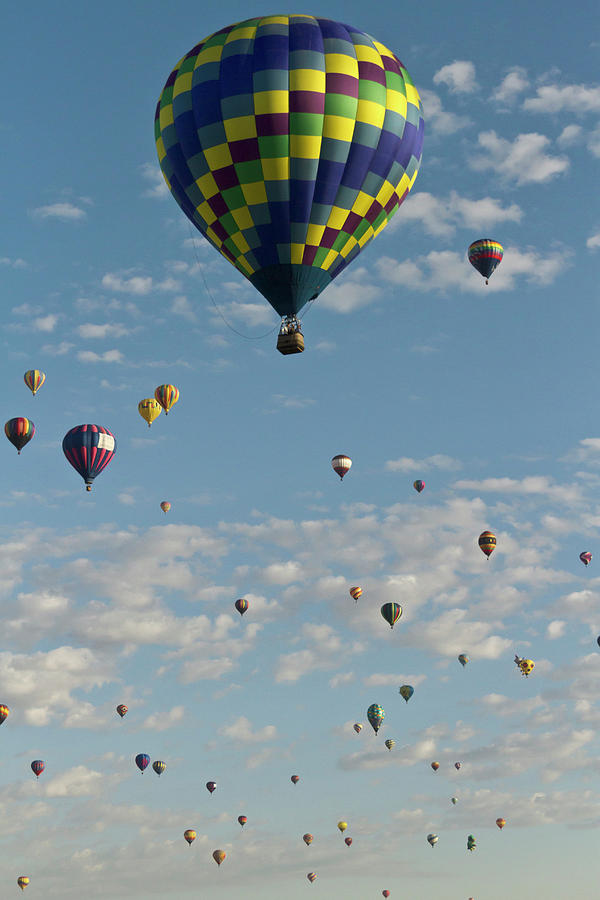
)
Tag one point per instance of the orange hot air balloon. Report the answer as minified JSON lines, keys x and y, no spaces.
{"x":242,"y":820}
{"x":190,"y":836}
{"x":355,"y":593}
{"x":308,"y":839}
{"x":487,"y":542}
{"x":500,"y":823}
{"x":23,"y":881}
{"x":4,"y":711}
{"x":122,"y":709}
{"x":435,"y":766}
{"x":165,"y":506}
{"x":311,"y":876}
{"x":295,"y":779}
{"x":219,"y":856}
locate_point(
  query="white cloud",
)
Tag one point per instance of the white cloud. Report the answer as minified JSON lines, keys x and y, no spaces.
{"x":66,"y":212}
{"x":593,"y":242}
{"x":109,"y":356}
{"x":353,"y":290}
{"x":181,"y":306}
{"x":575,"y":98}
{"x":439,"y":121}
{"x":593,"y":142}
{"x":57,"y":349}
{"x":570,"y":135}
{"x":139,"y":285}
{"x":152,"y":174}
{"x":513,"y":83}
{"x":524,"y":160}
{"x":241,"y":731}
{"x":45,"y":323}
{"x":437,"y":461}
{"x":92,"y":331}
{"x":17,"y":263}
{"x":77,"y":782}
{"x":323,"y":654}
{"x":555,"y":629}
{"x":441,"y":217}
{"x":531,"y":484}
{"x":451,"y":632}
{"x":163,"y":721}
{"x":458,"y":76}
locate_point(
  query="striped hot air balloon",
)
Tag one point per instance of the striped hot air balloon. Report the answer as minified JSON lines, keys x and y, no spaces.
{"x":4,"y":711}
{"x":485,"y":255}
{"x":487,"y":542}
{"x":89,"y":449}
{"x":341,"y":464}
{"x":355,"y":593}
{"x":19,"y":431}
{"x":34,"y":379}
{"x":167,"y":396}
{"x":241,"y":605}
{"x":391,"y":612}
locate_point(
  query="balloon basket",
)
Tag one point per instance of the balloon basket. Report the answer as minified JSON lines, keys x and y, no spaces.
{"x":290,"y":339}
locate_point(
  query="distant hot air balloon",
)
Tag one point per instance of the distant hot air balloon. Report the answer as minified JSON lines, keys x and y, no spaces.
{"x":211,"y":786}
{"x":165,"y":506}
{"x":242,"y":820}
{"x":487,"y":542}
{"x":142,"y":760}
{"x":23,"y":881}
{"x":419,"y":485}
{"x":342,"y":826}
{"x":122,"y":709}
{"x":167,"y":396}
{"x":348,"y":841}
{"x":37,"y":767}
{"x":357,"y":727}
{"x":149,"y":409}
{"x":311,"y":876}
{"x":390,"y":743}
{"x":19,"y":431}
{"x":391,"y":612}
{"x":159,"y":766}
{"x":385,"y":893}
{"x":307,"y":838}
{"x":501,"y":823}
{"x":463,"y":659}
{"x":457,"y":765}
{"x":454,"y":800}
{"x":341,"y":464}
{"x":485,"y":255}
{"x":433,"y":839}
{"x":219,"y":856}
{"x":241,"y":605}
{"x":375,"y":715}
{"x":525,"y":665}
{"x":598,"y":640}
{"x":4,"y":711}
{"x":89,"y":449}
{"x":190,"y":836}
{"x":355,"y":593}
{"x":295,"y":779}
{"x":585,"y":557}
{"x":406,"y":691}
{"x":435,"y":766}
{"x":34,"y":379}
{"x":471,"y":843}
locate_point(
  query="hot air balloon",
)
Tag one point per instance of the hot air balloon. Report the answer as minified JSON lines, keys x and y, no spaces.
{"x":433,"y":839}
{"x":463,"y":659}
{"x":419,"y":485}
{"x":211,"y":786}
{"x":355,"y":593}
{"x":342,"y":826}
{"x":471,"y":843}
{"x":525,"y":665}
{"x":19,"y":431}
{"x":190,"y":836}
{"x":501,"y":823}
{"x":311,"y":876}
{"x":219,"y":856}
{"x":292,"y":181}
{"x":357,"y":727}
{"x":375,"y":715}
{"x":167,"y":396}
{"x":165,"y":506}
{"x":307,"y":838}
{"x":242,"y":820}
{"x":406,"y":691}
{"x":141,"y":761}
{"x":149,"y":409}
{"x":23,"y":881}
{"x":34,"y":379}
{"x":485,"y":255}
{"x":385,"y":893}
{"x":159,"y":766}
{"x":348,"y":841}
{"x":457,"y":765}
{"x":487,"y":542}
{"x":454,"y":800}
{"x":4,"y":711}
{"x":122,"y":709}
{"x":390,"y":743}
{"x":89,"y":449}
{"x":341,"y":465}
{"x":241,"y":605}
{"x":435,"y":766}
{"x":585,"y":557}
{"x":37,"y":767}
{"x":598,"y":640}
{"x":295,"y":779}
{"x":391,"y":612}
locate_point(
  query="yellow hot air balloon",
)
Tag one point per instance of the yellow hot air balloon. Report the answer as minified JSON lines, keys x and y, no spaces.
{"x":167,"y":395}
{"x":149,"y":409}
{"x":190,"y":836}
{"x":355,"y":593}
{"x":500,"y":823}
{"x":34,"y":379}
{"x":525,"y":665}
{"x":342,"y":826}
{"x":219,"y":856}
{"x":390,"y":743}
{"x":23,"y":881}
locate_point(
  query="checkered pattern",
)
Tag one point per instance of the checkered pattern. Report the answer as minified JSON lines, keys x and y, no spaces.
{"x":289,"y":141}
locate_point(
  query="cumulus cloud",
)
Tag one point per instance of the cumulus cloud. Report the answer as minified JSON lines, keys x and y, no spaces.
{"x":570,"y":135}
{"x":513,"y":84}
{"x":353,"y":290}
{"x":109,"y":356}
{"x":17,"y":263}
{"x":45,"y":323}
{"x":531,"y":484}
{"x":153,"y":176}
{"x":436,"y":461}
{"x":323,"y":654}
{"x":440,"y":121}
{"x":523,"y":161}
{"x":163,"y":721}
{"x":241,"y":730}
{"x":65,"y":212}
{"x":92,"y":331}
{"x":458,"y":76}
{"x":139,"y":285}
{"x":441,"y":216}
{"x":593,"y":242}
{"x":76,"y":782}
{"x":575,"y":98}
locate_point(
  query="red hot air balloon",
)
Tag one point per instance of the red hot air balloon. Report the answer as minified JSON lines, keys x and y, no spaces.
{"x":89,"y":449}
{"x":385,"y":893}
{"x":295,"y":779}
{"x":585,"y":557}
{"x":37,"y":767}
{"x":341,"y":464}
{"x":122,"y":709}
{"x":241,"y":605}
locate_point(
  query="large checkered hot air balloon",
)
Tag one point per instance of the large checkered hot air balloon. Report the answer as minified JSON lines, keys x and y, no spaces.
{"x":289,"y":142}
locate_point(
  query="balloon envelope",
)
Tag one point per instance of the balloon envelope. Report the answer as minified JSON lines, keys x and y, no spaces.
{"x":189,"y":835}
{"x":149,"y":409}
{"x":165,"y":506}
{"x":500,"y":823}
{"x":419,"y":485}
{"x":406,"y":691}
{"x":307,"y":838}
{"x":463,"y":659}
{"x":311,"y":876}
{"x":23,"y":881}
{"x":122,"y":709}
{"x":342,"y":826}
{"x":355,"y":592}
{"x":375,"y":715}
{"x":167,"y":396}
{"x":219,"y":856}
{"x":242,"y":820}
{"x":241,"y":605}
{"x":295,"y":779}
{"x":391,"y":612}
{"x":433,"y":839}
{"x":37,"y":767}
{"x":341,"y":465}
{"x":34,"y":379}
{"x":348,"y":841}
{"x":487,"y":542}
{"x":485,"y":255}
{"x":357,"y":727}
{"x":211,"y":786}
{"x":159,"y":766}
{"x":142,"y":760}
{"x":19,"y":431}
{"x":4,"y":711}
{"x":89,"y":449}
{"x":390,"y":743}
{"x":585,"y":557}
{"x":435,"y":766}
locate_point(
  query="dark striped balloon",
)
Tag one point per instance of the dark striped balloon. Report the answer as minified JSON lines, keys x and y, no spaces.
{"x":487,"y":542}
{"x":89,"y":449}
{"x":485,"y":255}
{"x":19,"y":431}
{"x":241,"y":605}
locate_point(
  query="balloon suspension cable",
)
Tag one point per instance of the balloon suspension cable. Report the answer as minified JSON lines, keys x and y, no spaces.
{"x":247,"y":337}
{"x":290,"y":325}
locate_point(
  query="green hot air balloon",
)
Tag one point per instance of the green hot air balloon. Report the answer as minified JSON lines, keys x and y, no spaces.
{"x":391,"y":612}
{"x":406,"y":691}
{"x":289,"y":142}
{"x":375,"y":715}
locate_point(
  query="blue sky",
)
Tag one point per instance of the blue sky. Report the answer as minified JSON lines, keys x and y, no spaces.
{"x":414,"y":368}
